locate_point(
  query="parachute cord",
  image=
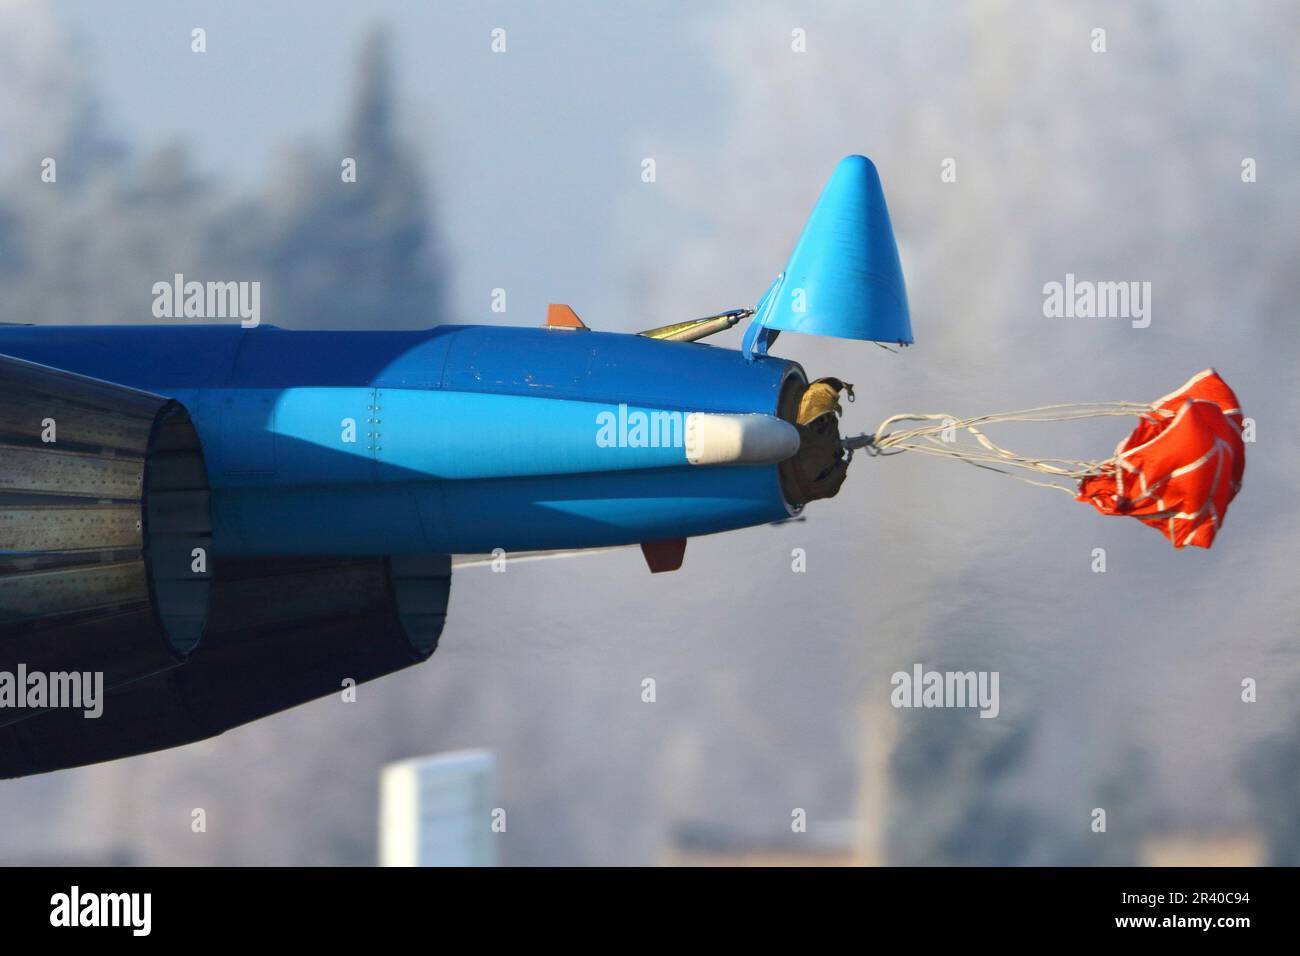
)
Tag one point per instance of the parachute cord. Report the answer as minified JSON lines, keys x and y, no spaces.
{"x":938,"y":437}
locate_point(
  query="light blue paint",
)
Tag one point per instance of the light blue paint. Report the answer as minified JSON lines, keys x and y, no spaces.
{"x":319,"y":436}
{"x":461,"y":435}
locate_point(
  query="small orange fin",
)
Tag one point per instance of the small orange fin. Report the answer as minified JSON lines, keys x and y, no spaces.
{"x":562,"y":317}
{"x":664,"y":555}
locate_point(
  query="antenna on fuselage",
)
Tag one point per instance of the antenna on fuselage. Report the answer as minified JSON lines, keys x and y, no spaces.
{"x":695,"y":329}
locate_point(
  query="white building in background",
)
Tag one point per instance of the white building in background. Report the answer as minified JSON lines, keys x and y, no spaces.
{"x":437,"y":811}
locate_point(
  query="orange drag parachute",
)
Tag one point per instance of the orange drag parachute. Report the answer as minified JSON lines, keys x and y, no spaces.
{"x":1181,"y":467}
{"x":1177,"y":472}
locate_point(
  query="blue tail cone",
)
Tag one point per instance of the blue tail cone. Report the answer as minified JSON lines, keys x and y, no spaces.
{"x":844,"y":278}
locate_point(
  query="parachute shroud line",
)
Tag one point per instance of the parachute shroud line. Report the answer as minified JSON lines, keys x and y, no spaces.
{"x":929,"y":439}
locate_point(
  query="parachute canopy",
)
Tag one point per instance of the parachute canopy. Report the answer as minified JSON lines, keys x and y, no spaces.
{"x":1182,"y":465}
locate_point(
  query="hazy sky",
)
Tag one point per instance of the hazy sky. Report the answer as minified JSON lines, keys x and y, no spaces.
{"x":530,"y":151}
